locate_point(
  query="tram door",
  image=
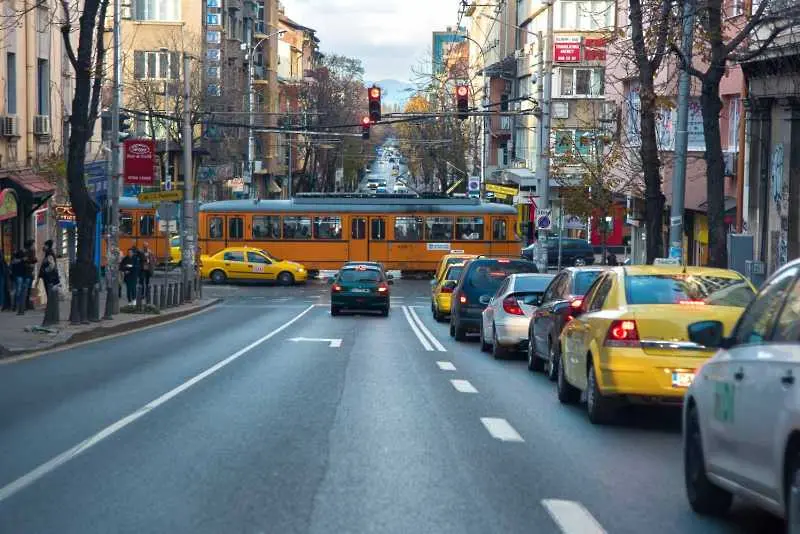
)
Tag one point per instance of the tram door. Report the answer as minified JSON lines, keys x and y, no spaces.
{"x":359,"y":250}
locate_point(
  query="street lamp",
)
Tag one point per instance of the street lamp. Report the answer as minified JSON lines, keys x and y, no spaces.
{"x":248,"y":174}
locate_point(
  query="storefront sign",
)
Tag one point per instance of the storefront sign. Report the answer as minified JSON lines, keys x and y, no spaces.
{"x":567,"y":49}
{"x":502,"y":190}
{"x":64,"y":213}
{"x":8,"y":204}
{"x":594,"y":49}
{"x":140,"y":162}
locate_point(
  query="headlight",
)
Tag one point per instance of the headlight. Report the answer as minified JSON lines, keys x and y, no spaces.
{"x":300,"y":269}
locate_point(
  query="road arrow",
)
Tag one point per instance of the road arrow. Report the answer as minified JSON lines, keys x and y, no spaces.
{"x":335,"y":343}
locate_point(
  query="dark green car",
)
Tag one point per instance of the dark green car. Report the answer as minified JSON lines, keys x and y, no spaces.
{"x":360,"y":287}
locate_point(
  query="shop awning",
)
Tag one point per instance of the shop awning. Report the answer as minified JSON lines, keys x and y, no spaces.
{"x":33,"y":183}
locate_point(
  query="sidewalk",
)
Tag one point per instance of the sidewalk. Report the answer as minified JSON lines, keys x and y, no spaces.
{"x":24,"y":333}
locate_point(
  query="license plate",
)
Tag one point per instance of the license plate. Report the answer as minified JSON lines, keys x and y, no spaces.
{"x":682,"y":380}
{"x":361,"y":291}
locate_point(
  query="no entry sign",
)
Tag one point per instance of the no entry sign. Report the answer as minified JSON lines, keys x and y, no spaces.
{"x":140,"y":159}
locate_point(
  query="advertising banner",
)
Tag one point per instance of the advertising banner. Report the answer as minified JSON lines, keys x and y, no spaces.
{"x":140,"y":161}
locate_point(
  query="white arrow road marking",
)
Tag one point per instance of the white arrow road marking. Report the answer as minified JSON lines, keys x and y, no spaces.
{"x":336,"y":343}
{"x":501,"y":429}
{"x":572,"y":517}
{"x":463,"y":386}
{"x":446,"y":366}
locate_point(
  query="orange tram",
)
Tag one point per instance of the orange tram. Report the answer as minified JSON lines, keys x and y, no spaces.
{"x":323,"y":231}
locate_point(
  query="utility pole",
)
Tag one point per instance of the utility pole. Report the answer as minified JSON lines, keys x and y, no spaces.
{"x":112,"y":248}
{"x":251,"y":141}
{"x":543,"y":168}
{"x":681,"y":137}
{"x":189,"y":231}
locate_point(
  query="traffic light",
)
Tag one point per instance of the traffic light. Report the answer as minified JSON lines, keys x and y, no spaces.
{"x":374,"y":94}
{"x":365,"y":124}
{"x":462,"y":101}
{"x":125,"y":124}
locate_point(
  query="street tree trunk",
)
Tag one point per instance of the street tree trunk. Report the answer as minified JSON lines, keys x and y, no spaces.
{"x":715,"y":172}
{"x":651,"y":165}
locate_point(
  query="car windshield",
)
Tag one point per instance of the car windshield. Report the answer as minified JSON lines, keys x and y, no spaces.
{"x":488,"y":275}
{"x":583,"y":280}
{"x":687,"y":289}
{"x":359,"y":275}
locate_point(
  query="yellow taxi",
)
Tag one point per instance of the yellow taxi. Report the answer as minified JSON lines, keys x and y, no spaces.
{"x":442,"y":293}
{"x":245,"y":263}
{"x":628,"y":341}
{"x":448,"y":260}
{"x":175,"y":250}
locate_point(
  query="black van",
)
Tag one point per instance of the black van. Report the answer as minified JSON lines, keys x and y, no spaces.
{"x":575,"y":252}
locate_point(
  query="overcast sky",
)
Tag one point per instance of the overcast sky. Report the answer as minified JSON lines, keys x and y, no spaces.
{"x":389,"y":36}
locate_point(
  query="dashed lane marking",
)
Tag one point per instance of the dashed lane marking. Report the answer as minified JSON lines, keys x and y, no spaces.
{"x":501,"y":429}
{"x":446,"y":366}
{"x":572,"y":517}
{"x":463,"y":386}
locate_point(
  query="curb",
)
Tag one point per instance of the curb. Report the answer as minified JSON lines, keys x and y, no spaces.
{"x":103,"y":331}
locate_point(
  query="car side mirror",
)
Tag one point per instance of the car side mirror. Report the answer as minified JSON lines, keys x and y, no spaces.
{"x":708,"y":333}
{"x":450,"y":284}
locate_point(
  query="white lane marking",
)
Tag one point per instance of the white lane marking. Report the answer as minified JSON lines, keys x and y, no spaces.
{"x":335,"y":343}
{"x":463,"y":386}
{"x":501,"y":429}
{"x":434,"y":341}
{"x":572,"y":517}
{"x":54,"y":463}
{"x":446,"y":366}
{"x":420,"y":336}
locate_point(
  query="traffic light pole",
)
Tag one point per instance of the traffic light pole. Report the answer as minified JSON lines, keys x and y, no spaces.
{"x":189,"y":231}
{"x":112,"y":248}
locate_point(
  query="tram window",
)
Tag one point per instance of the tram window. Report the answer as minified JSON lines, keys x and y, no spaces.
{"x":235,"y":228}
{"x":499,"y":229}
{"x":378,"y":229}
{"x":146,"y":225}
{"x":328,"y":227}
{"x":297,"y":227}
{"x":125,"y":224}
{"x":267,"y":227}
{"x":215,"y":228}
{"x":439,"y":228}
{"x":469,"y":228}
{"x":358,"y":228}
{"x":408,"y":228}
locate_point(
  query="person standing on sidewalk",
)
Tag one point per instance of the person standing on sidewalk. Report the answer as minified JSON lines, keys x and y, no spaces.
{"x":148,"y":266}
{"x":48,"y":270}
{"x":30,"y":268}
{"x":5,"y":283}
{"x":131,"y":266}
{"x":18,"y":273}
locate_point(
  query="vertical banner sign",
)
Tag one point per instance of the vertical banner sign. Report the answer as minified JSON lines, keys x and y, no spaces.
{"x":140,"y":161}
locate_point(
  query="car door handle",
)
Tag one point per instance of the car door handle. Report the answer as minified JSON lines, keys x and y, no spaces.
{"x":787,"y":379}
{"x":739,"y":375}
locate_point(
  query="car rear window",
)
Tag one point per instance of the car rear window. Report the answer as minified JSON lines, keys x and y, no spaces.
{"x":688,"y":289}
{"x":356,"y":275}
{"x":454,"y":273}
{"x":535,"y":284}
{"x":488,"y":275}
{"x":583,"y":280}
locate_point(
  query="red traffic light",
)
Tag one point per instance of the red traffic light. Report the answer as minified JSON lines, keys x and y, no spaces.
{"x":374,"y":93}
{"x":462,"y":90}
{"x":365,"y":121}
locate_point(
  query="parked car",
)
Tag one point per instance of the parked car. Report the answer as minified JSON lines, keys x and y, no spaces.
{"x":504,"y":325}
{"x":629,"y":338}
{"x":564,"y":294}
{"x":577,"y":252}
{"x":442,"y":293}
{"x":741,"y":417}
{"x":480,"y":280}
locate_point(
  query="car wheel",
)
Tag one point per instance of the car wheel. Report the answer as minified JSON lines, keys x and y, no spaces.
{"x":579,"y":262}
{"x":567,"y":393}
{"x":286,"y":279}
{"x":599,"y":407}
{"x":704,"y":496}
{"x":335,"y":311}
{"x":551,"y":368}
{"x":218,"y":277}
{"x":485,"y":347}
{"x":459,"y":332}
{"x":793,"y":494}
{"x":534,"y":362}
{"x":498,"y":351}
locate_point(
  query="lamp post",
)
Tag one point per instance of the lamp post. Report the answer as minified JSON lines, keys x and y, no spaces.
{"x":251,"y":103}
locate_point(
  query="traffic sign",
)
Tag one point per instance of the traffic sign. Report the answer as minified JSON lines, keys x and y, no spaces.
{"x":161,"y":196}
{"x":544,"y":219}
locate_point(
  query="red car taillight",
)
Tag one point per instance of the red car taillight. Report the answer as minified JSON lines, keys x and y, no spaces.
{"x":511,"y":306}
{"x":622,"y":333}
{"x":336,"y":288}
{"x":574,"y":305}
{"x":383,"y":288}
{"x":446,"y":289}
{"x":462,"y":299}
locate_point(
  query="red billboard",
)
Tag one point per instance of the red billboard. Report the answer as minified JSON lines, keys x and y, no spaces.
{"x":594,"y":49}
{"x":567,"y":51}
{"x":140,"y":161}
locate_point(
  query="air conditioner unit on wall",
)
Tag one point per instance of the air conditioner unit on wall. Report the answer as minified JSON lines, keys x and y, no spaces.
{"x":9,"y":126}
{"x":41,"y":125}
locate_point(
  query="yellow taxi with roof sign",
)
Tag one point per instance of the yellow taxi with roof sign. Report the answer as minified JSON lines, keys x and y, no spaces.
{"x":442,"y":295}
{"x":245,"y":263}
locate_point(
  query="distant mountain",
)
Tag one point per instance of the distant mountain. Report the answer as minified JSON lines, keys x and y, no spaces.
{"x":394,"y":91}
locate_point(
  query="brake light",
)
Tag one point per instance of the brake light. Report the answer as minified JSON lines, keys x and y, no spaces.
{"x":383,"y":288}
{"x":462,"y":299}
{"x":622,"y":333}
{"x":692,"y":302}
{"x":503,"y":260}
{"x":447,"y":289}
{"x":511,"y":306}
{"x":574,"y":305}
{"x":336,"y":288}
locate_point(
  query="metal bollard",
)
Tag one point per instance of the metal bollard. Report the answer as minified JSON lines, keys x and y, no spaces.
{"x":162,"y":296}
{"x":94,"y":303}
{"x":74,"y":307}
{"x":84,"y":308}
{"x":156,"y":302}
{"x":170,"y":295}
{"x":139,"y":298}
{"x":148,"y":299}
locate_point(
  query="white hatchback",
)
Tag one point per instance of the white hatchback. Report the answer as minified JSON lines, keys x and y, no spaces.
{"x":741,"y":418}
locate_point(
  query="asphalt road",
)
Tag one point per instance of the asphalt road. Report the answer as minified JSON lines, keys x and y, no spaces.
{"x":266,"y":414}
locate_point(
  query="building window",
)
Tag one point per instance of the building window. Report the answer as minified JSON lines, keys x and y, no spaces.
{"x":736,"y":8}
{"x":213,"y":54}
{"x":164,"y":10}
{"x":213,"y":19}
{"x":155,"y":65}
{"x":582,"y":82}
{"x":213,"y":37}
{"x":585,"y":15}
{"x":43,"y":87}
{"x":11,"y":83}
{"x":734,"y":115}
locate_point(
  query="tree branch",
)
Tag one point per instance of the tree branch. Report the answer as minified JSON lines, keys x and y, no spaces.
{"x":661,"y":40}
{"x":97,"y":86}
{"x":756,"y":20}
{"x":776,"y":31}
{"x":685,"y":64}
{"x":66,"y":29}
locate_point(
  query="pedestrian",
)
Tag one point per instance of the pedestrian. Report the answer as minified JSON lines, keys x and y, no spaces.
{"x":612,"y":259}
{"x":21,"y":285}
{"x":5,"y":283}
{"x":48,"y":271}
{"x":130,"y":266}
{"x":148,"y":266}
{"x":30,"y":268}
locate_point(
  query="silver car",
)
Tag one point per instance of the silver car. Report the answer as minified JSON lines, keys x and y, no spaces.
{"x":505,"y":320}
